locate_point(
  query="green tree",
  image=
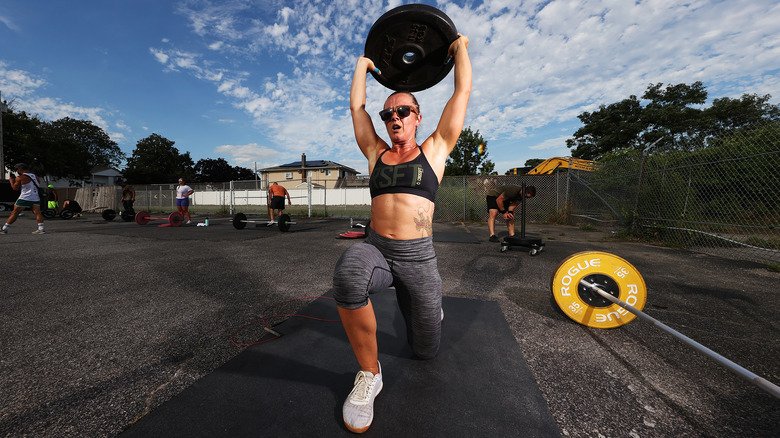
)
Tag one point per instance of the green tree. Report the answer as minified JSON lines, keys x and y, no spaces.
{"x":533,"y":162}
{"x":156,"y":160}
{"x":22,"y":139}
{"x":470,"y":154}
{"x":730,"y":114}
{"x":672,"y":118}
{"x":242,"y":173}
{"x":213,"y":170}
{"x":63,"y":148}
{"x":218,"y":170}
{"x":101,"y":149}
{"x":599,"y":134}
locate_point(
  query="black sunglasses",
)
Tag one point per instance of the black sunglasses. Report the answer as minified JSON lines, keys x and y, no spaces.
{"x":402,"y":111}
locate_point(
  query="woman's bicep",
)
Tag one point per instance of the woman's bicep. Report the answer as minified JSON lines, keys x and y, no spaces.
{"x":365,"y":134}
{"x":452,"y":118}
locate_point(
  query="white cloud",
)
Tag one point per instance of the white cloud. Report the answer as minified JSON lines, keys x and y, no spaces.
{"x":552,"y":143}
{"x":17,"y":82}
{"x":8,"y":23}
{"x":536,"y":63}
{"x":247,"y":154}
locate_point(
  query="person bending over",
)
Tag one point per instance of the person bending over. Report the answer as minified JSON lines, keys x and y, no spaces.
{"x":404,"y":178}
{"x":502,"y":200}
{"x":28,"y":184}
{"x":276,"y":193}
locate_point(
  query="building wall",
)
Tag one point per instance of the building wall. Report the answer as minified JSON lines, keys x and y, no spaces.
{"x":292,"y":178}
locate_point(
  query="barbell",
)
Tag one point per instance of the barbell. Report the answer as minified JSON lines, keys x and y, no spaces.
{"x":601,"y":290}
{"x":109,"y":215}
{"x":409,"y":45}
{"x":174,"y":219}
{"x":240,"y":220}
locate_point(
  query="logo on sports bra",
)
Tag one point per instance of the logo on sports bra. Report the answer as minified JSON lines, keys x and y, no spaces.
{"x":401,"y":175}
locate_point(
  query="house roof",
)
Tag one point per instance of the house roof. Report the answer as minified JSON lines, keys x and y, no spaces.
{"x":311,"y":164}
{"x":105,"y":171}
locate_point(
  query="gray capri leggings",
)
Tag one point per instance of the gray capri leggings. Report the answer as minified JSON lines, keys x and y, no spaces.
{"x":410,"y":266}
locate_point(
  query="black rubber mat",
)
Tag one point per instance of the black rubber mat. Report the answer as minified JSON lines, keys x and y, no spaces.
{"x":478,"y":385}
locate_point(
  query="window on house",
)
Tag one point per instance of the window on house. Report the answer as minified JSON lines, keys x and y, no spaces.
{"x":288,"y":175}
{"x":327,"y":172}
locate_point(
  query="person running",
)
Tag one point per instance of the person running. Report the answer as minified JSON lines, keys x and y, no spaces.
{"x":183,"y":193}
{"x":502,"y":200}
{"x":277,"y":194}
{"x":404,"y":179}
{"x":28,"y":198}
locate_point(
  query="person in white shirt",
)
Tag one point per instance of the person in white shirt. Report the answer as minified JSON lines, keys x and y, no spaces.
{"x":28,"y":183}
{"x":183,"y":192}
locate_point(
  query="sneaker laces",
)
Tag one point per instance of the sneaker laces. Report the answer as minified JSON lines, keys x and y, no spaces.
{"x":364,"y":387}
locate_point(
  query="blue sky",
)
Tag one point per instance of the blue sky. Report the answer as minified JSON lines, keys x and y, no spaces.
{"x":263,"y":81}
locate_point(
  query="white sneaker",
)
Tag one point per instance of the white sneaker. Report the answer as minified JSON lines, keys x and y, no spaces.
{"x":188,"y":222}
{"x":3,"y":231}
{"x":358,"y":410}
{"x":39,"y":232}
{"x":270,"y":223}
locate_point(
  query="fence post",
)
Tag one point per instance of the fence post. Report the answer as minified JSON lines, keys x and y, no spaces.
{"x":464,"y":198}
{"x":566,"y":209}
{"x":635,"y":212}
{"x":308,"y":191}
{"x":231,"y":198}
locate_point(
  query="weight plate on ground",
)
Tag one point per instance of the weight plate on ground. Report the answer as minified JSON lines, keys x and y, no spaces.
{"x":613,"y":274}
{"x":127,"y":216}
{"x":142,"y":218}
{"x":175,"y":219}
{"x":108,"y":214}
{"x":67,"y":214}
{"x":49,"y":213}
{"x":239,"y":221}
{"x":409,"y":45}
{"x":284,"y":223}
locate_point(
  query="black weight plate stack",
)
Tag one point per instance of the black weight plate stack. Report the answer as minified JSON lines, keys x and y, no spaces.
{"x":409,"y":45}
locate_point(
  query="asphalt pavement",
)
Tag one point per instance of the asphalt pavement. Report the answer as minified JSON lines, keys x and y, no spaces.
{"x":102,"y":322}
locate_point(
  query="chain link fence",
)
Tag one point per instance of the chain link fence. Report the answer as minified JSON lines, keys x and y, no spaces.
{"x":463,"y":198}
{"x":722,"y":197}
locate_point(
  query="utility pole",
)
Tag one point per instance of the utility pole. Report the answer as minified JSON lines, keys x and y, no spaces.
{"x":3,"y":107}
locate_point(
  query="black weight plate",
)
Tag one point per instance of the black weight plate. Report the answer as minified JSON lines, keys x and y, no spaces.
{"x":49,"y":213}
{"x":239,"y":221}
{"x":284,"y":223}
{"x":108,"y":214}
{"x":127,"y":216}
{"x":142,"y":218}
{"x":420,"y":30}
{"x":67,"y":214}
{"x":175,"y":219}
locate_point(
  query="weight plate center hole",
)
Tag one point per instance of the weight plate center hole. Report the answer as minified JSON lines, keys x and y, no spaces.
{"x":591,"y":297}
{"x":409,"y":58}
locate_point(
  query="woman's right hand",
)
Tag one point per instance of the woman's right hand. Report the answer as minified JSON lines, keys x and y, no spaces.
{"x":368,"y":65}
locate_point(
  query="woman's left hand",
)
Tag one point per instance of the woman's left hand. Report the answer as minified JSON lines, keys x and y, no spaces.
{"x":462,"y":40}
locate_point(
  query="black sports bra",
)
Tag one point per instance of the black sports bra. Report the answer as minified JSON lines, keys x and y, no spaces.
{"x":415,"y":177}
